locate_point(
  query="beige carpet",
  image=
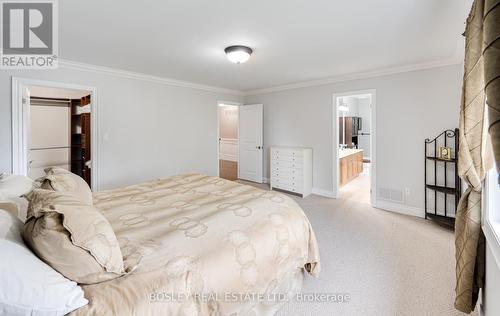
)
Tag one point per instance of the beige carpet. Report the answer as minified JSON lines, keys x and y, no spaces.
{"x":389,"y":264}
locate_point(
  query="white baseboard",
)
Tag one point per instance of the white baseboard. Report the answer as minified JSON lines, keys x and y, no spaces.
{"x":399,"y":208}
{"x":325,"y":193}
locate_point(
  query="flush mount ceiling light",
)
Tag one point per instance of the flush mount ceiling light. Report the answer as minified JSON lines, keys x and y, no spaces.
{"x":238,"y":54}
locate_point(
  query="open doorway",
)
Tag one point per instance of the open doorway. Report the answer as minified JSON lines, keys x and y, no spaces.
{"x":355,"y":146}
{"x":53,"y":126}
{"x":240,"y":138}
{"x":228,"y":118}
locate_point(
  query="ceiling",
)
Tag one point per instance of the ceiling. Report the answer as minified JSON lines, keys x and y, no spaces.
{"x":293,"y":40}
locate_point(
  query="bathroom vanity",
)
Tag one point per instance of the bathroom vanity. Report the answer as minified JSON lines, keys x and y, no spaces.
{"x":350,"y":164}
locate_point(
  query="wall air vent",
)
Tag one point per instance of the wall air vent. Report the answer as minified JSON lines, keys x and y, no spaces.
{"x":391,"y":195}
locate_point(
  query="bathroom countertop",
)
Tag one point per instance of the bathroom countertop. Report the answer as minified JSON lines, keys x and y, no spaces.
{"x":348,"y":151}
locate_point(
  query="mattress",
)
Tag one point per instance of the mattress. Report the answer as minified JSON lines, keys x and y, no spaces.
{"x":200,"y":245}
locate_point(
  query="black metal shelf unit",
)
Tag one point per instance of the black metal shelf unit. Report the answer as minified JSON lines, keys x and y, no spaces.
{"x":437,"y":177}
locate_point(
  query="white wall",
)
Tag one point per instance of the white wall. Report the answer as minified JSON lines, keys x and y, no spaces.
{"x":143,"y":121}
{"x":154,"y":129}
{"x":411,"y":106}
{"x":491,"y":210}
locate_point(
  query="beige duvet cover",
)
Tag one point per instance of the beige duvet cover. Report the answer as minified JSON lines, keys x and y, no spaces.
{"x":199,"y":245}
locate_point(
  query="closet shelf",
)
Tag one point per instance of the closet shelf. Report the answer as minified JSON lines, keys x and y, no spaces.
{"x":441,"y":159}
{"x":447,"y":190}
{"x":448,"y":221}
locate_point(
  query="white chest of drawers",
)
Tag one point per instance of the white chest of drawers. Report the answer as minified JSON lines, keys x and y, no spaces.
{"x":291,"y":169}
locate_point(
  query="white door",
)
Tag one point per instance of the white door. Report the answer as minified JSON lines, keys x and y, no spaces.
{"x":251,"y":142}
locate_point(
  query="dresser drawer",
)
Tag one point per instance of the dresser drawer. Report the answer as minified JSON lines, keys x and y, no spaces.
{"x":287,"y":164}
{"x":288,"y":170}
{"x":287,"y":173}
{"x":288,"y":181}
{"x":288,"y":187}
{"x":286,"y":152}
{"x":291,"y":158}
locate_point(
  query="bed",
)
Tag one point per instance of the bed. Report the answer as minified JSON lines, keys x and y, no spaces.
{"x":201,"y":245}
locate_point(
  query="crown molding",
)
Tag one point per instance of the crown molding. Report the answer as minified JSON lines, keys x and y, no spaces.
{"x":69,"y":64}
{"x":456,"y":60}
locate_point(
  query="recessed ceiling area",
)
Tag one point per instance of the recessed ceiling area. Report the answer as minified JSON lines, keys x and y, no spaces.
{"x":293,"y":41}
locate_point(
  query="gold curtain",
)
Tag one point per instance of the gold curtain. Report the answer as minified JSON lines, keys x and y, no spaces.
{"x":481,"y":83}
{"x":492,"y":72}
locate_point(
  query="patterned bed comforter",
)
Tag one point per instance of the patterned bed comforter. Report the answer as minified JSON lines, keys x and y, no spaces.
{"x":200,"y":245}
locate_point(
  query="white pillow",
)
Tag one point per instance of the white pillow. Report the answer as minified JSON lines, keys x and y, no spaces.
{"x":28,"y":286}
{"x":12,"y":186}
{"x":16,"y":206}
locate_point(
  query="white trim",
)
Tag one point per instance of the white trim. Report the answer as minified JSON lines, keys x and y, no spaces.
{"x":325,"y":193}
{"x":493,"y":240}
{"x":18,"y":132}
{"x":490,"y":228}
{"x":373,"y":142}
{"x":361,"y":75}
{"x":223,"y":103}
{"x":69,"y":64}
{"x":20,"y":120}
{"x":399,"y":208}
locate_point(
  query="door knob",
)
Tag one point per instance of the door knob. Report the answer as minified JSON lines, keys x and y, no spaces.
{"x":259,"y":147}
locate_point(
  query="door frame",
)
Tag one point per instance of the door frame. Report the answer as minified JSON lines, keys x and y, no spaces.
{"x":233,"y":103}
{"x":373,"y":145}
{"x":20,"y":119}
